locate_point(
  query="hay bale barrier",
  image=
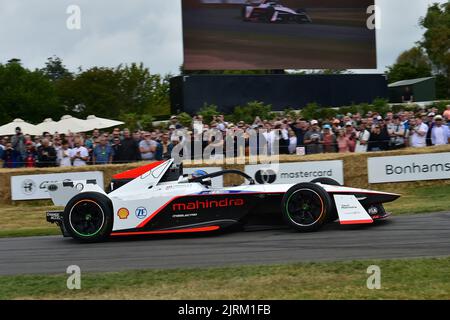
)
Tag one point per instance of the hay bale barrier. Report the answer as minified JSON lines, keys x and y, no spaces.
{"x":355,"y":170}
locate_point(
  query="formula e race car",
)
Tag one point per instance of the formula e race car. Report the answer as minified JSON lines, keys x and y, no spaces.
{"x":159,"y":199}
{"x":273,"y":11}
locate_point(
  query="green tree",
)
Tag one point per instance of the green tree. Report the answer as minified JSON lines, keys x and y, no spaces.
{"x":26,"y":94}
{"x":208,"y":111}
{"x":411,"y":64}
{"x":143,"y":92}
{"x":55,"y":69}
{"x":250,"y":111}
{"x":94,"y":91}
{"x":114,"y":92}
{"x":436,"y":42}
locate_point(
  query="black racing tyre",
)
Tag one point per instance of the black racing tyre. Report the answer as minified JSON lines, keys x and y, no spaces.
{"x":88,"y":217}
{"x":333,"y":215}
{"x":328,"y":181}
{"x":306,"y":206}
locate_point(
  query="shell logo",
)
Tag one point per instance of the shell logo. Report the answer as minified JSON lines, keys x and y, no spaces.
{"x":123,"y":213}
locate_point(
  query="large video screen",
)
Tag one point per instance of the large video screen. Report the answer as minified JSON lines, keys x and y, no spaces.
{"x":285,"y":34}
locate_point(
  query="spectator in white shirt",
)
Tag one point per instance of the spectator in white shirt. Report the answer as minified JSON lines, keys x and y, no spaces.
{"x":292,"y":142}
{"x":362,"y":136}
{"x":418,"y":133}
{"x":79,"y":154}
{"x":440,"y":134}
{"x":63,"y":154}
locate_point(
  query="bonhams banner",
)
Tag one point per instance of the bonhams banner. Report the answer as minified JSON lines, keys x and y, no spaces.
{"x":433,"y":166}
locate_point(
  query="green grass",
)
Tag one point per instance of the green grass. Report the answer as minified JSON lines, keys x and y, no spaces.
{"x":421,"y":200}
{"x":400,"y":279}
{"x":28,"y":219}
{"x":25,"y":220}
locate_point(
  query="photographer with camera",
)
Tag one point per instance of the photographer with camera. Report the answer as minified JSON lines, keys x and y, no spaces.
{"x":314,"y":139}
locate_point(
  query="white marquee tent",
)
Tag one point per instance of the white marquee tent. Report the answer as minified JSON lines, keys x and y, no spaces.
{"x":27,"y":128}
{"x":65,"y":125}
{"x":47,"y":126}
{"x":102,"y":123}
{"x":71,"y":124}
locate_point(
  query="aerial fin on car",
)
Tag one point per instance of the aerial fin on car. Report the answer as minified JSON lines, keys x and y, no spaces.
{"x":147,"y":179}
{"x":350,"y":210}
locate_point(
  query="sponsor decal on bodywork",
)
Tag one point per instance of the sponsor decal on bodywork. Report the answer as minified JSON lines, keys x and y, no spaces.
{"x":123,"y":213}
{"x":207,"y":204}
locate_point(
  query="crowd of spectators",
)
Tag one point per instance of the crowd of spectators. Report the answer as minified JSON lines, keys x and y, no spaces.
{"x":342,"y":134}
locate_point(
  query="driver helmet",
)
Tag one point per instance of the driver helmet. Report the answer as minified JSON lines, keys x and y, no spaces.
{"x":199,"y":173}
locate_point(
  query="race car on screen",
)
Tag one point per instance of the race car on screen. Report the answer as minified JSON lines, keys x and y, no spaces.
{"x":159,"y":199}
{"x":273,"y":11}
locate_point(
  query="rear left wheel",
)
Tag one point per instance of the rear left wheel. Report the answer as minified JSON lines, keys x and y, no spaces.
{"x":306,"y":207}
{"x":88,"y":217}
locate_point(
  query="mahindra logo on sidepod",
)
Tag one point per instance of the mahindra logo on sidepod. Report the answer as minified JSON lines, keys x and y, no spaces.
{"x":207,"y":204}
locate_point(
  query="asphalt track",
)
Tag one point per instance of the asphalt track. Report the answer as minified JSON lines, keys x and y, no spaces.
{"x":425,"y":235}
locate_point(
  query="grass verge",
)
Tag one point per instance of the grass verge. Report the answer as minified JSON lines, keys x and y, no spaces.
{"x":421,"y":200}
{"x":400,"y":279}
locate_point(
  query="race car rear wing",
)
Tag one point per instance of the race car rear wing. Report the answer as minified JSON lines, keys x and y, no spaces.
{"x":62,"y":192}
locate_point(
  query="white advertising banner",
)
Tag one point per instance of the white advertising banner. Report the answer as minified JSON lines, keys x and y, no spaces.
{"x":216,"y":182}
{"x":34,"y":187}
{"x":433,"y":166}
{"x":292,"y":173}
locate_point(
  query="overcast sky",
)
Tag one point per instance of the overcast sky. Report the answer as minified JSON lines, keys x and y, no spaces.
{"x":114,"y":32}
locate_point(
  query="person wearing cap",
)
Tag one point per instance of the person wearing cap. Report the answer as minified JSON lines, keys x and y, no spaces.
{"x":336,"y":126}
{"x":383,"y":137}
{"x":329,"y":140}
{"x":440,"y":134}
{"x":147,"y":147}
{"x":314,"y":139}
{"x":350,"y":134}
{"x":174,"y":120}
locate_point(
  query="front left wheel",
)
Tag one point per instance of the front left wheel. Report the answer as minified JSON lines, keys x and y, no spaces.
{"x":88,"y":217}
{"x":306,"y":207}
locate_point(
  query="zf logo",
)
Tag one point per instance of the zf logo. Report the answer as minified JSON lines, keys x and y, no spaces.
{"x":141,"y":213}
{"x":265,"y":176}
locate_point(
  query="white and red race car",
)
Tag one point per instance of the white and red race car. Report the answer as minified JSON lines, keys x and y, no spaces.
{"x":273,"y":11}
{"x":159,"y":199}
